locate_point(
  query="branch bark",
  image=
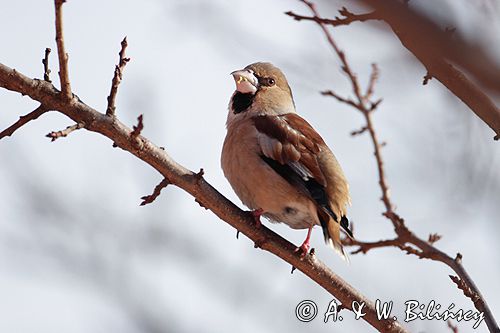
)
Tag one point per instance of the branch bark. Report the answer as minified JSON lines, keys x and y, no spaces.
{"x":196,"y":185}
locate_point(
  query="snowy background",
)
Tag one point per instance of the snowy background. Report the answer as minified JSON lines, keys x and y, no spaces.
{"x":78,"y":254}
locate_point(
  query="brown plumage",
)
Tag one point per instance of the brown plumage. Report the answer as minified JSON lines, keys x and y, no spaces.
{"x":276,"y":162}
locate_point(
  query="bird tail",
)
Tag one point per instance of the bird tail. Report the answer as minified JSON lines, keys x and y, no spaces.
{"x":331,"y":232}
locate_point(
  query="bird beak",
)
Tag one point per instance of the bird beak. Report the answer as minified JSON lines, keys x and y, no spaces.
{"x":246,"y":82}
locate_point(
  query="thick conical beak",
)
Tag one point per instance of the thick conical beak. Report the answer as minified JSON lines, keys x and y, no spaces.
{"x":246,"y":82}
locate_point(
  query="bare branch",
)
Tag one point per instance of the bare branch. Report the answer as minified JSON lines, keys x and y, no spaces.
{"x":198,"y":187}
{"x":65,"y":132}
{"x":346,"y":18}
{"x":23,"y":120}
{"x":433,"y":238}
{"x":45,"y":62}
{"x":360,"y":131}
{"x":147,"y":199}
{"x":61,"y":52}
{"x":339,"y":98}
{"x":117,"y":78}
{"x":371,"y":84}
{"x":137,"y":129}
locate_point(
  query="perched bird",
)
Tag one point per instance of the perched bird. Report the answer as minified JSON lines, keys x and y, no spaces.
{"x":277,"y":164}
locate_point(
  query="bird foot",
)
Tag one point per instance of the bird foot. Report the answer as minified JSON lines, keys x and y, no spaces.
{"x":256,"y":216}
{"x":303,"y":249}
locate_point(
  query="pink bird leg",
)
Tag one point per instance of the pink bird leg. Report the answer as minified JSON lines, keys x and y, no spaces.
{"x":304,"y":248}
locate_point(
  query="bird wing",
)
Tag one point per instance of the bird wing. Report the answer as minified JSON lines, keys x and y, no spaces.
{"x":290,"y":140}
{"x":292,"y":148}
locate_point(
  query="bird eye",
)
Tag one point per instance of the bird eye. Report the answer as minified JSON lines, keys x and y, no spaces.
{"x":266,"y":81}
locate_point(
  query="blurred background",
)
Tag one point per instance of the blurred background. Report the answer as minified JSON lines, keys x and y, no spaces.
{"x":78,"y":253}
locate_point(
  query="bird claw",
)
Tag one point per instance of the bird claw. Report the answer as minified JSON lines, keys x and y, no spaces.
{"x":303,"y":249}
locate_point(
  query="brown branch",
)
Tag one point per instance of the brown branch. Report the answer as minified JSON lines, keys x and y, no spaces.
{"x":147,"y":199}
{"x":117,"y":78}
{"x":197,"y":186}
{"x":54,"y":135}
{"x":348,"y":17}
{"x":429,"y":42}
{"x":61,"y":52}
{"x":45,"y":62}
{"x":23,"y":120}
{"x":406,"y":240}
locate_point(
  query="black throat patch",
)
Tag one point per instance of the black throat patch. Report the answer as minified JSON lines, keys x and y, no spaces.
{"x":241,"y":102}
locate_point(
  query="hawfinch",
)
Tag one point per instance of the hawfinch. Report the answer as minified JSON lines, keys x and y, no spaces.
{"x":277,"y":164}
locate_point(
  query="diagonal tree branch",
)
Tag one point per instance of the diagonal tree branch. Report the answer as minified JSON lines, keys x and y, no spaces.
{"x":406,"y":240}
{"x":23,"y":120}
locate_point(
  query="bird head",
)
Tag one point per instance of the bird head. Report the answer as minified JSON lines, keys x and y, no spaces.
{"x":261,"y":87}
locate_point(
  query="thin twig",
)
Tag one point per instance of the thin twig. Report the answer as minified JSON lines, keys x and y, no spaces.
{"x":54,"y":135}
{"x":348,"y":17}
{"x":23,"y":120}
{"x":45,"y":62}
{"x":453,"y":328}
{"x":61,"y":52}
{"x":371,"y":84}
{"x":147,"y":199}
{"x":406,"y":240}
{"x":117,"y":78}
{"x":136,"y":130}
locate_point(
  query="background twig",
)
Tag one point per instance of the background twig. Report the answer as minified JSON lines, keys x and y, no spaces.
{"x":117,"y":78}
{"x":61,"y":52}
{"x":45,"y":62}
